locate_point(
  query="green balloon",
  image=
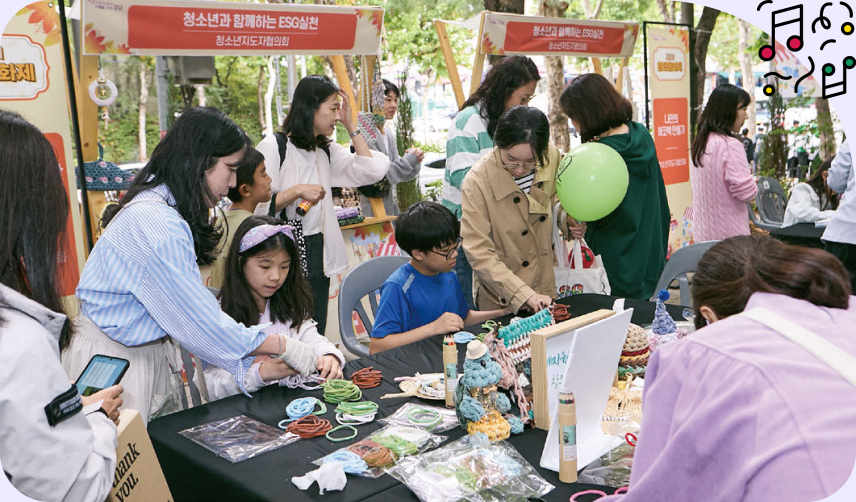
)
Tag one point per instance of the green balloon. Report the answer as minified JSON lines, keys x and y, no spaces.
{"x":591,"y":181}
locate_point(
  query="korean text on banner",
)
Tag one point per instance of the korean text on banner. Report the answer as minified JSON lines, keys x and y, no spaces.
{"x":201,"y":27}
{"x":669,"y":60}
{"x":515,"y":34}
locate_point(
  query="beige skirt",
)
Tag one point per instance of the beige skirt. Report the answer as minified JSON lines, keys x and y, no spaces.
{"x":153,"y":381}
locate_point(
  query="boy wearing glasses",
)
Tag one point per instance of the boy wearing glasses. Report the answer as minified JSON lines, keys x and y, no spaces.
{"x":423,"y":298}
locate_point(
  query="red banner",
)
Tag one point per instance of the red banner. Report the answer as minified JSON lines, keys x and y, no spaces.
{"x":548,"y":37}
{"x":671,"y":129}
{"x":235,"y":29}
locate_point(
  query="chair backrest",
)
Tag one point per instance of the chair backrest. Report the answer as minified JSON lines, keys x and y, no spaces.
{"x":681,"y":262}
{"x":365,"y":279}
{"x":771,"y":200}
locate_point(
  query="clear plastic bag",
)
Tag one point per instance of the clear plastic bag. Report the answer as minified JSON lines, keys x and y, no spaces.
{"x":612,"y":469}
{"x":471,"y":469}
{"x":430,"y":418}
{"x":382,"y":449}
{"x":238,"y":438}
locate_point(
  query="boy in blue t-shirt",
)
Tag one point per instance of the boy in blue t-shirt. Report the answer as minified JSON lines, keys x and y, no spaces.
{"x":423,"y":298}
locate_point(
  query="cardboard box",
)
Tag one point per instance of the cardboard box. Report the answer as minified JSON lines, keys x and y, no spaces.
{"x":138,"y":477}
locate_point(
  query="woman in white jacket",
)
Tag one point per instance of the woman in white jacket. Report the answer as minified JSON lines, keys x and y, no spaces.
{"x":54,"y":445}
{"x":311,"y":166}
{"x":813,"y":200}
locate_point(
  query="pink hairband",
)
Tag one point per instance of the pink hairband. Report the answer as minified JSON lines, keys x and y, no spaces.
{"x":261,"y":233}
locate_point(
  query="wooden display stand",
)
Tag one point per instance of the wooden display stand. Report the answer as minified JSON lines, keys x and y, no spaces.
{"x":547,"y":345}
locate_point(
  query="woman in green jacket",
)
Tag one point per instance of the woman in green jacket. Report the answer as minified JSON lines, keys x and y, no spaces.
{"x":632,"y":239}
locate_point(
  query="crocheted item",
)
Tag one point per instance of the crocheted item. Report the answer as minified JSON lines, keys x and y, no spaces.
{"x":512,"y":379}
{"x":663,"y":322}
{"x":347,"y":213}
{"x":477,"y":400}
{"x":635,"y":352}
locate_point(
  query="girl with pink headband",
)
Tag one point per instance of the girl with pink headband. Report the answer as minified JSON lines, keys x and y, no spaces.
{"x":263,"y":285}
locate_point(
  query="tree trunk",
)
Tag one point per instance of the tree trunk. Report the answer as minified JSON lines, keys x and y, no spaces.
{"x":144,"y":98}
{"x":824,"y":127}
{"x":559,"y":130}
{"x":268,"y":102}
{"x":509,"y":6}
{"x":703,"y":31}
{"x":664,"y":11}
{"x":745,"y":58}
{"x":260,"y":96}
{"x":687,"y":13}
{"x":589,"y":12}
{"x":200,"y":95}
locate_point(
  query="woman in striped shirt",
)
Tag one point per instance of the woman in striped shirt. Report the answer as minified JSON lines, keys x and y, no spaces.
{"x":141,"y":287}
{"x":511,"y":82}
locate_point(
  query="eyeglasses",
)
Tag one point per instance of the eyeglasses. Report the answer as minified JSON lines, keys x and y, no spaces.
{"x":517,"y":165}
{"x":452,"y":251}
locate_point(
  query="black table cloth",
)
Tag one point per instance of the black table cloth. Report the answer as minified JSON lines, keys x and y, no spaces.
{"x":193,"y":473}
{"x":801,"y":234}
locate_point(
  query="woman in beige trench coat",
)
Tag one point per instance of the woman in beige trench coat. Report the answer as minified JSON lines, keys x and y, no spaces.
{"x":507,"y":202}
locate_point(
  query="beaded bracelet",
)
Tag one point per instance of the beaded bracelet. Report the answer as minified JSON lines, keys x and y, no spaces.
{"x":334,"y":429}
{"x":337,"y":390}
{"x":302,"y":407}
{"x":432,"y":421}
{"x":309,"y":427}
{"x":367,"y":378}
{"x":351,"y":462}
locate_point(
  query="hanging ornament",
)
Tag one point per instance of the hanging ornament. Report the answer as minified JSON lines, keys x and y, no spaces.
{"x":102,"y":91}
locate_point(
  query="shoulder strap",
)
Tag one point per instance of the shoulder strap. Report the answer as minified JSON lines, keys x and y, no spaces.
{"x":840,"y":361}
{"x":282,"y":145}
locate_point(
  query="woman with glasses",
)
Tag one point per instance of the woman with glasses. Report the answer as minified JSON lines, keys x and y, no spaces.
{"x":510,"y":82}
{"x":632,"y":239}
{"x":507,"y":220}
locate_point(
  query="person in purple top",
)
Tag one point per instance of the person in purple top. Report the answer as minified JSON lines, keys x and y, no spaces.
{"x":737,"y":411}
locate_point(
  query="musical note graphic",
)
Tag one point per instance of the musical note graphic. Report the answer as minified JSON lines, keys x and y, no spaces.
{"x":828,"y":71}
{"x":795,"y":42}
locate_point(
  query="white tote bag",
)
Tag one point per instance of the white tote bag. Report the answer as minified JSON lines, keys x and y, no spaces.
{"x":576,"y":280}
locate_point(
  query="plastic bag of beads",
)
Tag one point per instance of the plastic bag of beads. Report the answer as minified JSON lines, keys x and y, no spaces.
{"x":430,"y":418}
{"x":471,"y":469}
{"x":382,"y":449}
{"x":238,"y":438}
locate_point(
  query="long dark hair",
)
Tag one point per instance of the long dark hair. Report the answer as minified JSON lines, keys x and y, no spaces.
{"x":718,"y":116}
{"x":593,"y":103}
{"x":191,"y":147}
{"x":505,"y":77}
{"x":732,"y":270}
{"x":299,"y":124}
{"x":33,"y":213}
{"x":828,"y":199}
{"x":524,"y":124}
{"x":290,"y":303}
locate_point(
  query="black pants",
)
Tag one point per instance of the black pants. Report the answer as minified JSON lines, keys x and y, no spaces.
{"x":318,"y":282}
{"x":847,"y":254}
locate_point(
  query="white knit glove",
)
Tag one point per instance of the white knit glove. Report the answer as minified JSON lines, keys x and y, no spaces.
{"x":300,"y":356}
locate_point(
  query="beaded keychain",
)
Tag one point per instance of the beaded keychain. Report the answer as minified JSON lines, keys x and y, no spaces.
{"x":302,"y":407}
{"x":351,"y":413}
{"x":337,"y":390}
{"x":351,"y":462}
